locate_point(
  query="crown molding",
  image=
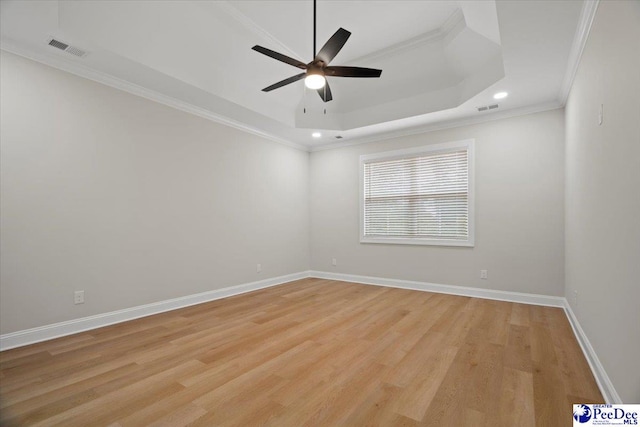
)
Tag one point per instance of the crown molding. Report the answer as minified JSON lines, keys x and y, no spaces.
{"x":587,"y":15}
{"x":455,"y":21}
{"x":256,"y":29}
{"x":431,"y":127}
{"x":589,"y":8}
{"x":80,"y":70}
{"x":85,"y":72}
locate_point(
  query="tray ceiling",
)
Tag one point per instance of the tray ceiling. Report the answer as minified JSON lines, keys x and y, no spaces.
{"x":440,"y":59}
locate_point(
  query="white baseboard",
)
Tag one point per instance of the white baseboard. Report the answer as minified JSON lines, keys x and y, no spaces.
{"x":56,"y":330}
{"x":518,"y":297}
{"x":607,"y":389}
{"x":602,"y":379}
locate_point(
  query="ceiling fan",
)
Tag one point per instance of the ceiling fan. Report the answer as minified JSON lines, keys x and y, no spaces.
{"x":317,"y":70}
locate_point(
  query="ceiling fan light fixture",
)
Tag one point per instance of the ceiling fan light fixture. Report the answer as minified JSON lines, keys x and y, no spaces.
{"x":315,"y":72}
{"x":315,"y":81}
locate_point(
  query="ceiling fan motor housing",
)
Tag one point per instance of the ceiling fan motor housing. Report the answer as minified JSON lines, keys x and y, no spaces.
{"x":317,"y":70}
{"x":316,"y":67}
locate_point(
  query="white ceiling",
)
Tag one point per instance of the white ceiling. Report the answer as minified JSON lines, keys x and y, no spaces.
{"x":440,"y":59}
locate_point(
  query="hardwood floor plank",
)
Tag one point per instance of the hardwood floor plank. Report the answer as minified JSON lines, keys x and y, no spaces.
{"x":123,"y":401}
{"x":520,"y":315}
{"x":550,"y":399}
{"x":183,"y":416}
{"x":368,"y":411}
{"x":67,"y":396}
{"x":516,"y":400}
{"x":309,"y":352}
{"x":518,"y":349}
{"x":415,"y":398}
{"x":571,"y":360}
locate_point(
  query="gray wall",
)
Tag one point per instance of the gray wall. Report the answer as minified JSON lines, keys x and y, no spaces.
{"x":519,"y":211}
{"x":603,"y":195}
{"x":132,"y":201}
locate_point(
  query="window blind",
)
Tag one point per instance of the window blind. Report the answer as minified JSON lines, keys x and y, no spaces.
{"x":425,"y":196}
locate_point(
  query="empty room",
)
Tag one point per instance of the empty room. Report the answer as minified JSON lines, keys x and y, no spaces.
{"x":319,"y":213}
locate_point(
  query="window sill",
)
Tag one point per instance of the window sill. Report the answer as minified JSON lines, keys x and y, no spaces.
{"x":419,"y":242}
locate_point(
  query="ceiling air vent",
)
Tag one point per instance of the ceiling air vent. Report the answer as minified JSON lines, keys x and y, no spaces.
{"x":58,"y":44}
{"x":65,"y":47}
{"x":487,"y":107}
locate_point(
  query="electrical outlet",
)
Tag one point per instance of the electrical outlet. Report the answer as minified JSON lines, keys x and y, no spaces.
{"x":575,"y":298}
{"x":78,"y":297}
{"x":483,"y":274}
{"x":334,"y":262}
{"x":258,"y":268}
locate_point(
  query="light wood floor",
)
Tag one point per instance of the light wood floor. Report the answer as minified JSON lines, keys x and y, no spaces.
{"x":309,"y":353}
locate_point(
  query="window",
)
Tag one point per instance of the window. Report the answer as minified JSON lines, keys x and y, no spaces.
{"x":419,"y":196}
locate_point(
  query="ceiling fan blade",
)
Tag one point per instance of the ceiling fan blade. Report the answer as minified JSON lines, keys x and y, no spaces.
{"x":352,"y":72}
{"x":333,"y":46}
{"x":284,"y":82}
{"x":325,"y":92}
{"x":280,"y":57}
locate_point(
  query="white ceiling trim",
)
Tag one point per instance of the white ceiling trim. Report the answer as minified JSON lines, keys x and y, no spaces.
{"x":456,"y":20}
{"x":531,"y":109}
{"x":114,"y":82}
{"x":84,"y":72}
{"x":587,"y":14}
{"x":256,"y":29}
{"x":589,"y":8}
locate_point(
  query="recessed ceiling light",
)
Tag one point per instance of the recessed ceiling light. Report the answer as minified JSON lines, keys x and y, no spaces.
{"x":316,"y":134}
{"x":500,"y":95}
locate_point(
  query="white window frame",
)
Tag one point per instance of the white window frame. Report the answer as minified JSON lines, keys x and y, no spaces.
{"x":469,"y":145}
